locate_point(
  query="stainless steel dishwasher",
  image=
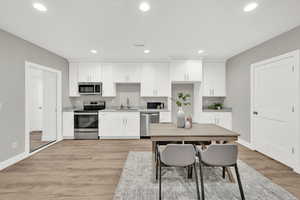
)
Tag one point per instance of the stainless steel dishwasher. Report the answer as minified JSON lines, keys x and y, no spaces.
{"x":148,"y":118}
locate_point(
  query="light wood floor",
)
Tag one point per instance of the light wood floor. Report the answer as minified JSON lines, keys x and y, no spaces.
{"x":36,"y":140}
{"x":90,"y":170}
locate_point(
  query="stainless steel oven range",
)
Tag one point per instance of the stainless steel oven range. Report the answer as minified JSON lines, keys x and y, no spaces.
{"x":86,"y":121}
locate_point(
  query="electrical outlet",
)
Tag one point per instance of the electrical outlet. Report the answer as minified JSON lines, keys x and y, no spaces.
{"x":14,"y":145}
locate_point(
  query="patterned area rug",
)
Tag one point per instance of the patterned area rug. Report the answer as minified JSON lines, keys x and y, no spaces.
{"x":136,"y":183}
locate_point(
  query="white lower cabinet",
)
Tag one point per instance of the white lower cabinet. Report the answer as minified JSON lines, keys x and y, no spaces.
{"x":68,"y":125}
{"x":119,"y":125}
{"x":165,"y":117}
{"x":223,"y":119}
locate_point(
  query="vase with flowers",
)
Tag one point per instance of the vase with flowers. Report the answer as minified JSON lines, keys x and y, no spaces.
{"x":182,"y":100}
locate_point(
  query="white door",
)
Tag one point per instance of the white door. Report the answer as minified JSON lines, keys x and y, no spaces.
{"x":110,"y":125}
{"x":148,"y":84}
{"x":155,"y":80}
{"x":89,"y":72}
{"x":49,"y":106}
{"x":36,"y":99}
{"x":214,"y":83}
{"x":131,"y":125}
{"x":127,"y":72}
{"x":273,"y":112}
{"x":73,"y":80}
{"x":109,"y":85}
{"x":194,"y":72}
{"x":178,"y":71}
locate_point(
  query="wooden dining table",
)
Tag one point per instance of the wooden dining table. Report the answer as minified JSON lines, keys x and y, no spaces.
{"x":168,"y":132}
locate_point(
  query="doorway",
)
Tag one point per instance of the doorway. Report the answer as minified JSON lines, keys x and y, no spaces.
{"x":43,"y":87}
{"x":273,"y":110}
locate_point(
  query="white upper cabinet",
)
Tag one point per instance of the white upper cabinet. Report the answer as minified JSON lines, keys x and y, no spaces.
{"x":155,"y":80}
{"x":73,"y":80}
{"x":108,"y":83}
{"x":89,"y":72}
{"x":214,"y":79}
{"x":127,"y":72}
{"x":186,"y":71}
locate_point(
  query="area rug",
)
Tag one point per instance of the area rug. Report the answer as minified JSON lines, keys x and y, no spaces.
{"x":136,"y":183}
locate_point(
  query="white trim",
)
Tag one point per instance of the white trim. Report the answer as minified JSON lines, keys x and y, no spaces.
{"x":28,"y":65}
{"x":12,"y":160}
{"x":297,"y":170}
{"x":245,"y":144}
{"x":119,"y":137}
{"x":44,"y":147}
{"x":22,"y":156}
{"x":296,"y":55}
{"x":68,"y":138}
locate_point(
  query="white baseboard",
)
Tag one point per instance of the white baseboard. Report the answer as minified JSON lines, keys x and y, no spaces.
{"x":245,"y":143}
{"x":22,"y":156}
{"x":119,"y":137}
{"x":12,"y":160}
{"x":68,"y":137}
{"x":297,"y":170}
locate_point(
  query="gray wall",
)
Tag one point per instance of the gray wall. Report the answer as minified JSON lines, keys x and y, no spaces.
{"x":13,"y":54}
{"x":238,"y":76}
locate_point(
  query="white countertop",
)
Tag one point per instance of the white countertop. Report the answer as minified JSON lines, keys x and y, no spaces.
{"x":70,"y":109}
{"x":215,"y":110}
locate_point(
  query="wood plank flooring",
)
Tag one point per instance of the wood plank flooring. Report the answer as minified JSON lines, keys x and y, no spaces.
{"x":36,"y":140}
{"x":90,"y":170}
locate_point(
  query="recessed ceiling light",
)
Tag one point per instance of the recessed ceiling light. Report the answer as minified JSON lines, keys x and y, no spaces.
{"x":200,"y":51}
{"x":93,"y":51}
{"x":250,"y":7}
{"x":146,"y":51}
{"x":40,"y":7}
{"x":144,"y":7}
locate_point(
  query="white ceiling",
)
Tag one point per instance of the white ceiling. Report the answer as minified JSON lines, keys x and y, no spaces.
{"x":172,"y":28}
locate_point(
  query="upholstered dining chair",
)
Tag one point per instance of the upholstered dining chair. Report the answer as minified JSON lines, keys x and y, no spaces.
{"x":220,"y":155}
{"x":176,"y":155}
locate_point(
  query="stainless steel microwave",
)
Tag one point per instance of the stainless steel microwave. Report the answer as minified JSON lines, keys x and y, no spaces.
{"x":90,"y":88}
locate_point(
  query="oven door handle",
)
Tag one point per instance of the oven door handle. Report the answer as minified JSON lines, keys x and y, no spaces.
{"x":85,"y":113}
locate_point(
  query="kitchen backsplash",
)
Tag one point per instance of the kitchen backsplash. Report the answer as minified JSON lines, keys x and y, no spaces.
{"x":124,"y":91}
{"x":207,"y":101}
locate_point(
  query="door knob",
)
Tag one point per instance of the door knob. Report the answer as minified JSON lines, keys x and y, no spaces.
{"x":255,"y":113}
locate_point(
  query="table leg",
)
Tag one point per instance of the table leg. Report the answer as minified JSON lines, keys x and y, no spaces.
{"x":154,"y":160}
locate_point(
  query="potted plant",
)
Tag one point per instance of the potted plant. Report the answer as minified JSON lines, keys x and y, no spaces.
{"x":182,"y":100}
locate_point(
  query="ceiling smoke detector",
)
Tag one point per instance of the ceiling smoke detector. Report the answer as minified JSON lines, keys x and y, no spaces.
{"x":139,"y":44}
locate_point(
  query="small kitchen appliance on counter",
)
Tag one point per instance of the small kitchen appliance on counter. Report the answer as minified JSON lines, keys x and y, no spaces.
{"x":86,"y":121}
{"x":155,"y":105}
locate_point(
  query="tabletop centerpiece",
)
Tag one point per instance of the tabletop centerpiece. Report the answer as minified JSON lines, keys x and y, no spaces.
{"x":183,"y":100}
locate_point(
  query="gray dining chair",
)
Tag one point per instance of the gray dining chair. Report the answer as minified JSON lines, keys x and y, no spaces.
{"x":220,"y":155}
{"x":176,"y":155}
